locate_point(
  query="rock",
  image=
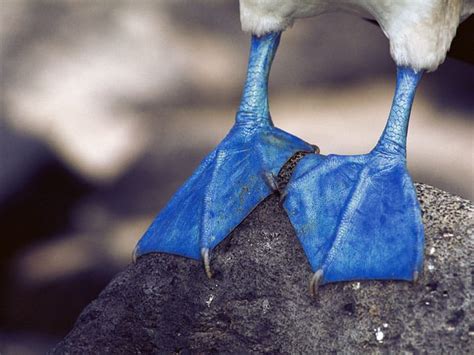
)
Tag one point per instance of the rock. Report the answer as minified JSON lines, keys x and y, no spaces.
{"x":258,"y":300}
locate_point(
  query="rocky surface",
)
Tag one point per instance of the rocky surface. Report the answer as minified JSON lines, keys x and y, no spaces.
{"x":258,"y":300}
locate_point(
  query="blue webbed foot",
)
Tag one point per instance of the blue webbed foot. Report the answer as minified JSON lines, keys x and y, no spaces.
{"x":357,"y":217}
{"x":361,"y":219}
{"x":232,"y":179}
{"x":224,"y":189}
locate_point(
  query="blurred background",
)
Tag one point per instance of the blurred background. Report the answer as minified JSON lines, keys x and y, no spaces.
{"x":107,"y":107}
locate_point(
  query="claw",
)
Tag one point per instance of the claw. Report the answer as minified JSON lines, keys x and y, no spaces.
{"x":271,"y":180}
{"x":283,"y":195}
{"x":316,"y":149}
{"x":134,"y":255}
{"x":315,"y":281}
{"x":416,"y":276}
{"x":207,"y":265}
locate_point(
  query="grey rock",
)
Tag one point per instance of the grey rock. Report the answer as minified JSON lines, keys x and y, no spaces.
{"x":258,"y":300}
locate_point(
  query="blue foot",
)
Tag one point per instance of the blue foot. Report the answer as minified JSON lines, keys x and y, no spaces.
{"x":224,"y":189}
{"x":358,"y":217}
{"x":231,"y":180}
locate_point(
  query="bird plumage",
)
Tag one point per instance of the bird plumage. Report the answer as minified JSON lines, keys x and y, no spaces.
{"x":420,"y":31}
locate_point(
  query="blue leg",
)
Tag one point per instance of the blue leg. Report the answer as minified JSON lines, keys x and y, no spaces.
{"x":233,"y":178}
{"x":358,"y":217}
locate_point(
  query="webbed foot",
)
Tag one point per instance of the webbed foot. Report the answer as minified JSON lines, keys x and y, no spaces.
{"x":225,"y":188}
{"x":361,"y":219}
{"x":232,"y":179}
{"x":357,"y":217}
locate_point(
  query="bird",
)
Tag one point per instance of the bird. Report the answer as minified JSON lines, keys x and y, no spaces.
{"x":356,"y":217}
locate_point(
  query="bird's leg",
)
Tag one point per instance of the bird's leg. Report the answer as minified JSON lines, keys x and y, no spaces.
{"x":237,"y":175}
{"x":393,"y":140}
{"x":358,"y":217}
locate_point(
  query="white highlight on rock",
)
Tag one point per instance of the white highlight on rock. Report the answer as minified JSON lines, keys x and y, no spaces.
{"x":356,"y":285}
{"x":379,"y":335}
{"x":209,"y":301}
{"x":265,"y":305}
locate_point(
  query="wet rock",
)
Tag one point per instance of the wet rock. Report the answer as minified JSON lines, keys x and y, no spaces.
{"x":258,"y":300}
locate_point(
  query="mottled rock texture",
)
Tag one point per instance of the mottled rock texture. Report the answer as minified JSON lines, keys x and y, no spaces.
{"x":258,"y":300}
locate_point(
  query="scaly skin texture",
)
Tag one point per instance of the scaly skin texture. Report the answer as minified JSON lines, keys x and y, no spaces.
{"x":357,"y":217}
{"x":394,"y":137}
{"x":233,"y":178}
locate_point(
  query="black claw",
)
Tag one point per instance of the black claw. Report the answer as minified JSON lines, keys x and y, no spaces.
{"x":316,"y":149}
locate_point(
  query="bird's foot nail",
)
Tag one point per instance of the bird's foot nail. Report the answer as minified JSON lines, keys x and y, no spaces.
{"x":283,"y":195}
{"x":416,"y":277}
{"x":207,"y":265}
{"x":314,"y":282}
{"x":271,"y":180}
{"x":316,"y":149}
{"x":134,"y":255}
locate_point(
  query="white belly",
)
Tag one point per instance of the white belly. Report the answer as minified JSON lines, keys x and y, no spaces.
{"x":420,"y":31}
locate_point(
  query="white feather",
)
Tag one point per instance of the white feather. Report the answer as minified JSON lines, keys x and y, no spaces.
{"x":420,"y":31}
